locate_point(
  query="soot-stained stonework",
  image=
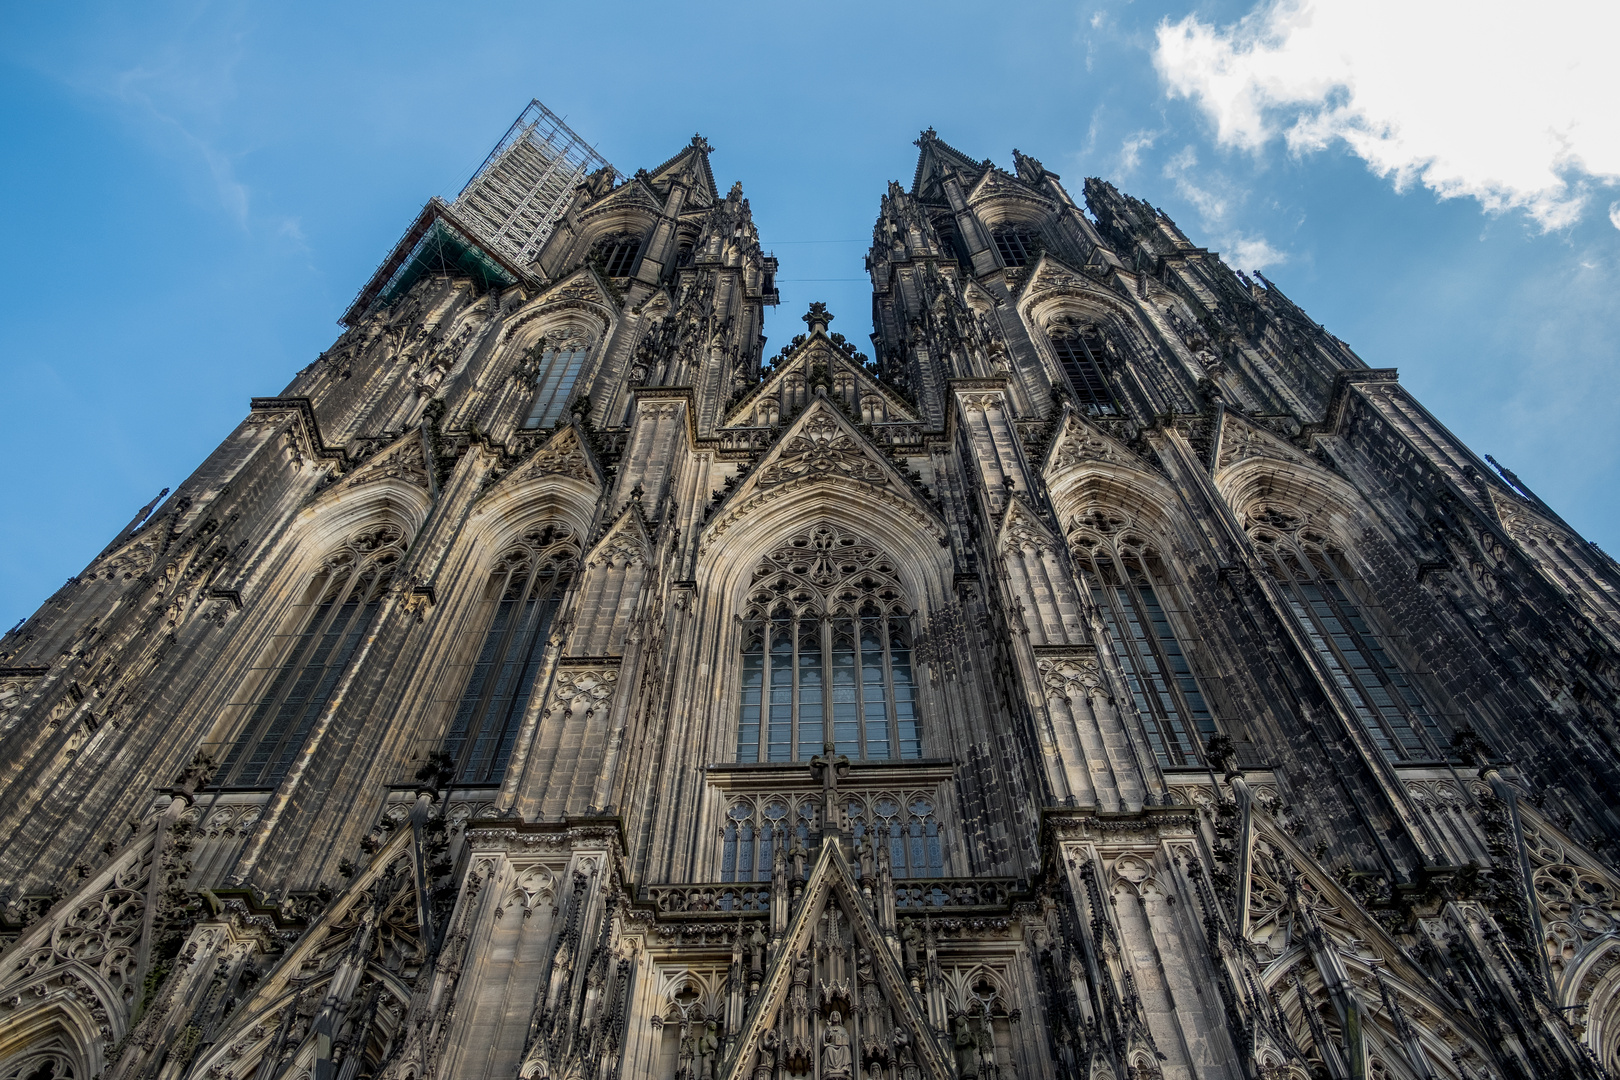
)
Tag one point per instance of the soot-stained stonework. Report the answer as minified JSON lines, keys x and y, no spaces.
{"x":1113,"y":676}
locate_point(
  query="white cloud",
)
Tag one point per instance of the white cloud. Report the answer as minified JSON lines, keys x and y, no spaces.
{"x":1614,"y":214}
{"x":1130,"y":152}
{"x":1198,"y":187}
{"x":1510,"y":105}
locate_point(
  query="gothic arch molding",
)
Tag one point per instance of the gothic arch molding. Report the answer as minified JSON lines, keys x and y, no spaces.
{"x":1256,"y":484}
{"x":574,"y":308}
{"x":1056,"y":290}
{"x":1145,"y":496}
{"x":727,"y":561}
{"x":331,"y":520}
{"x":58,"y":1030}
{"x":508,"y":512}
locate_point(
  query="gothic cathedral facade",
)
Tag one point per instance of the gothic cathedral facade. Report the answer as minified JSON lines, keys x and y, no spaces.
{"x":1112,"y":677}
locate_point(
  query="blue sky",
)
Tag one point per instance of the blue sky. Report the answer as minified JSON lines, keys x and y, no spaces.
{"x":197,"y":190}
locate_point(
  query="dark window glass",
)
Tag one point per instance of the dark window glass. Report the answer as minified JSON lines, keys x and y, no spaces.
{"x":1128,"y":586}
{"x":1079,"y":353}
{"x":1314,"y":588}
{"x":351,"y":590}
{"x":1018,"y":245}
{"x":617,"y":254}
{"x":559,"y":369}
{"x":529,"y":584}
{"x":804,"y":669}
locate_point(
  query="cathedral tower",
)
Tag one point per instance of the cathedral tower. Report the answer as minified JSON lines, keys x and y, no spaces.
{"x":1113,"y":676}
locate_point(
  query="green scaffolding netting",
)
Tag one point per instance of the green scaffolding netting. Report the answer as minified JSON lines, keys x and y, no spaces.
{"x":444,"y":250}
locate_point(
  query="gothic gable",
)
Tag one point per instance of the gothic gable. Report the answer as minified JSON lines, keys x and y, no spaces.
{"x":404,"y":461}
{"x":693,"y":160}
{"x":1023,"y":528}
{"x":87,"y":950}
{"x":857,"y":997}
{"x":936,"y":157}
{"x":998,"y":186}
{"x":1081,"y":442}
{"x":818,"y":353}
{"x":582,"y":288}
{"x":823,"y":449}
{"x":1238,"y":439}
{"x":564,"y":455}
{"x":366,"y":949}
{"x":626,"y":540}
{"x":1051,"y":278}
{"x":634,"y":194}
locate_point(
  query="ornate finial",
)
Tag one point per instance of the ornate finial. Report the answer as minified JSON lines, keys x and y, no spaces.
{"x":702,"y":144}
{"x":194,"y":777}
{"x":1223,"y":756}
{"x":817,"y":317}
{"x":435,"y":775}
{"x":1028,"y":168}
{"x":736,"y":189}
{"x":1470,"y":749}
{"x":928,"y":136}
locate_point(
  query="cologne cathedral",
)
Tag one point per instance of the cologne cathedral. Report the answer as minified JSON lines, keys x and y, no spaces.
{"x":1104,"y":675}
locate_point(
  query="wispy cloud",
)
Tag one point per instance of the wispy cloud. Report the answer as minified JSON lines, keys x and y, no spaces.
{"x":1208,"y":194}
{"x":1485,"y":101}
{"x":1130,"y":152}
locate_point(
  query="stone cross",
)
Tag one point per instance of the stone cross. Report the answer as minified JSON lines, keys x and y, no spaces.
{"x":831,"y":768}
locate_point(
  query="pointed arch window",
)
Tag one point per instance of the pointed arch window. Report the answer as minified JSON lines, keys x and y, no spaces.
{"x":525,"y":591}
{"x":827,"y":655}
{"x":1079,"y":352}
{"x":616,"y":254}
{"x":1018,"y":245}
{"x":349,"y":591}
{"x":1129,"y":586}
{"x":1316,"y":587}
{"x":558,"y":371}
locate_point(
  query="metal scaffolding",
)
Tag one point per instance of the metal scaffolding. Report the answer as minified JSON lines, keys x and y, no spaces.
{"x":514,"y":199}
{"x":501,"y":219}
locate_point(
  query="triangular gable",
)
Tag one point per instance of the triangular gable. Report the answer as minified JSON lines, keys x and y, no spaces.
{"x":997,"y":184}
{"x":374,"y":927}
{"x":405,"y":459}
{"x":656,"y":305}
{"x":1079,"y":441}
{"x":823,"y":447}
{"x":626,"y":538}
{"x":818,"y":350}
{"x":1238,"y":439}
{"x":582,"y":286}
{"x":1052,"y":275}
{"x":782,"y":1017}
{"x":634,"y":193}
{"x":936,"y":157}
{"x":694,"y":157}
{"x":1020,"y":526}
{"x":565,"y":454}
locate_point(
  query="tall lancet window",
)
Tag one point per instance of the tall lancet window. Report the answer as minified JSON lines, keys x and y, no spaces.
{"x":558,"y":371}
{"x":826,"y":654}
{"x":1316,"y":586}
{"x":1079,"y":352}
{"x":525,"y":590}
{"x":347,"y":593}
{"x":1131,"y":590}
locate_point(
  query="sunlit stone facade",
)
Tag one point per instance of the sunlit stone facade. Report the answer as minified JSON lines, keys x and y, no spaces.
{"x":1113,"y":676}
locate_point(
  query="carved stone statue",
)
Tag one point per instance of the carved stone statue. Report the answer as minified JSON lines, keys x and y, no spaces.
{"x":708,"y":1045}
{"x":966,"y":1047}
{"x":835,"y":1059}
{"x":910,"y":944}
